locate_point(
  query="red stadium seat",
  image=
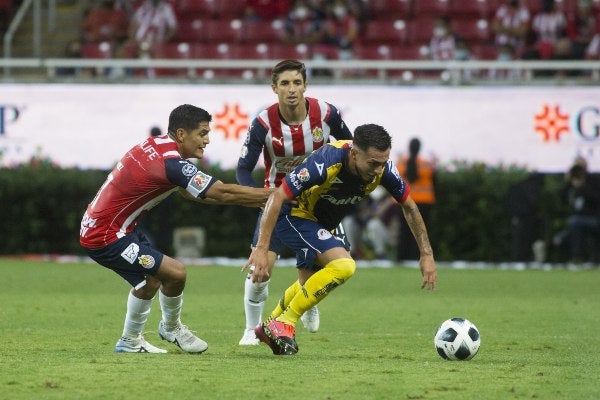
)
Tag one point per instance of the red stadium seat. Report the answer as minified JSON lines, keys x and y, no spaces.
{"x":485,"y":52}
{"x":477,"y":30}
{"x":431,"y":7}
{"x":223,"y":30}
{"x":182,"y":51}
{"x":478,"y":8}
{"x":191,"y":30}
{"x":386,"y":9}
{"x":226,"y":8}
{"x":372,"y":52}
{"x":386,"y":31}
{"x":97,"y":50}
{"x":262,"y":31}
{"x":296,"y":52}
{"x":421,"y":29}
{"x":217,"y":51}
{"x":413,"y":52}
{"x":193,"y":9}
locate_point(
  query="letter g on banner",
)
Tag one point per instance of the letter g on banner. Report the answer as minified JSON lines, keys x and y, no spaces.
{"x":8,"y":115}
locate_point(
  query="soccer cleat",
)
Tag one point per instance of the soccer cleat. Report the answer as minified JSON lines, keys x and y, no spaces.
{"x":249,"y":338}
{"x":279,"y":336}
{"x":310,"y":319}
{"x":136,"y":345}
{"x":182,"y":337}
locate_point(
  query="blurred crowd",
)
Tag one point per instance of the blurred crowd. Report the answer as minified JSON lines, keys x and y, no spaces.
{"x":337,"y":29}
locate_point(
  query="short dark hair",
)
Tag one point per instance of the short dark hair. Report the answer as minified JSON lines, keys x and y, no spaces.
{"x":372,"y":135}
{"x":288,"y":65}
{"x":187,"y":117}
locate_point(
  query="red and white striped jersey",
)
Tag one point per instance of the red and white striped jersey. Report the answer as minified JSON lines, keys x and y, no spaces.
{"x":549,"y":27}
{"x":146,"y":175}
{"x":284,"y":146}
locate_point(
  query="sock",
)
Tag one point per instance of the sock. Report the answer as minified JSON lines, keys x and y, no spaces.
{"x":171,"y":309}
{"x":255,"y":295}
{"x":317,"y":287}
{"x":138,"y":311}
{"x":283,"y":303}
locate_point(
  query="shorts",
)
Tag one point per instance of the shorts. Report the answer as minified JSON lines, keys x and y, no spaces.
{"x":132,"y":257}
{"x":308,"y":239}
{"x":275,"y":245}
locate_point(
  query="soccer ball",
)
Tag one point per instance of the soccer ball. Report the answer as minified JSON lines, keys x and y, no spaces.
{"x":457,"y":339}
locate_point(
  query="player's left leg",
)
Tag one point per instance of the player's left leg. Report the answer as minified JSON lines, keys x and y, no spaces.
{"x":172,"y":275}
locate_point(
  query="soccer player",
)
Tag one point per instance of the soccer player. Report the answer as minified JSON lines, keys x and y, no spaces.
{"x":146,"y":175}
{"x":326,"y":186}
{"x":285,"y":133}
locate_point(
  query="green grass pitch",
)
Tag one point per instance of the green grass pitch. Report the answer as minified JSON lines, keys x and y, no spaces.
{"x":540,"y":334}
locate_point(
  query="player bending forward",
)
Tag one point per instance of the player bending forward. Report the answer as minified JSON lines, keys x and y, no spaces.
{"x":327,"y":185}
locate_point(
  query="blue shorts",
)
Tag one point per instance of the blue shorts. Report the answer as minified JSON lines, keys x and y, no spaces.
{"x":275,"y":246}
{"x":132,"y":257}
{"x":308,"y":239}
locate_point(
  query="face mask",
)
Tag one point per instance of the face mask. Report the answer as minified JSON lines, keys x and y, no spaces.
{"x":504,"y":57}
{"x":301,"y":13}
{"x":461,"y":54}
{"x":438,"y":31}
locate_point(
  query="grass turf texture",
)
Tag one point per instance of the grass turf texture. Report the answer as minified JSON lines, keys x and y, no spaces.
{"x":59,"y":324}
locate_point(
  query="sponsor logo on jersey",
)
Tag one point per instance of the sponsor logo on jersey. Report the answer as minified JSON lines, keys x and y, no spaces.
{"x":303,"y":175}
{"x":336,"y":180}
{"x":146,"y":261}
{"x":287,"y":165}
{"x":130,"y":253}
{"x":342,"y":202}
{"x":317,"y":135}
{"x":189,"y":169}
{"x":320,"y":167}
{"x":324,"y":234}
{"x":200,"y":181}
{"x":394,"y":170}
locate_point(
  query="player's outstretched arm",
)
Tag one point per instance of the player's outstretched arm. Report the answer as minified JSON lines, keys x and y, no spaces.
{"x":230,"y":193}
{"x":419,"y":231}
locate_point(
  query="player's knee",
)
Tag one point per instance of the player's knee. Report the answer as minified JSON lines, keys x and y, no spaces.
{"x":344,"y":268}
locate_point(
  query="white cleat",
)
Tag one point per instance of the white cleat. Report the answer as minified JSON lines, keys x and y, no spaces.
{"x":310,"y":319}
{"x":182,"y":337}
{"x":136,"y":345}
{"x":249,"y":338}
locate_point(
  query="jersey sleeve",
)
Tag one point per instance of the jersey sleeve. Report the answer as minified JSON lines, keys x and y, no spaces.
{"x":251,"y":150}
{"x":183,"y":173}
{"x":339,"y":129}
{"x":393,"y":182}
{"x":308,"y":174}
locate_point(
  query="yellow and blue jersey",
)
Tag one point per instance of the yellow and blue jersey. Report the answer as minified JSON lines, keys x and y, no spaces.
{"x":327,"y":191}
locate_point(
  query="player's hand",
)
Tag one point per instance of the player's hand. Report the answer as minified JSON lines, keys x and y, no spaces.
{"x":258,"y":264}
{"x":428,"y":270}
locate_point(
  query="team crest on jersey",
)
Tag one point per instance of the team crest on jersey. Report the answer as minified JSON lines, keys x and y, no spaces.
{"x":244,"y":151}
{"x":146,"y":261}
{"x":189,"y":169}
{"x":317,"y":135}
{"x":324,"y":234}
{"x":200,"y":181}
{"x":131,"y":252}
{"x":303,"y":175}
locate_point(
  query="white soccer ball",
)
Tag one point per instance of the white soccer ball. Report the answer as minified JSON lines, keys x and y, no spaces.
{"x":457,"y":339}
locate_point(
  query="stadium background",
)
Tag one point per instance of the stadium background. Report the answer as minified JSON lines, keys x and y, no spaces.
{"x":40,"y":218}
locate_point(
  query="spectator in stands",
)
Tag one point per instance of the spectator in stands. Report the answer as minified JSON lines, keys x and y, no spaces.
{"x":582,"y":197}
{"x":420,"y":173}
{"x":339,"y":33}
{"x":549,"y":30}
{"x":105,"y":22}
{"x":154,"y":22}
{"x":581,"y":28}
{"x":442,"y":45}
{"x":302,"y":24}
{"x":592,"y":52}
{"x":511,"y":25}
{"x":267,"y":10}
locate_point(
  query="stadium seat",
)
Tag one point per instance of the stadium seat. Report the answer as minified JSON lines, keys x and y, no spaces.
{"x":486,"y":52}
{"x":431,"y":7}
{"x":371,"y":52}
{"x":222,"y":30}
{"x":226,"y":8}
{"x":262,"y":31}
{"x":388,"y":9}
{"x":421,"y":29}
{"x":97,"y":50}
{"x":473,"y":8}
{"x":412,"y":52}
{"x":472,"y":30}
{"x":386,"y":31}
{"x":288,"y":51}
{"x":191,"y":30}
{"x":217,"y":51}
{"x":182,"y":51}
{"x":193,"y":9}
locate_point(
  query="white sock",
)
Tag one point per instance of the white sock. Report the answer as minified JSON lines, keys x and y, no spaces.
{"x":138,"y":311}
{"x":255,"y":295}
{"x":171,"y":309}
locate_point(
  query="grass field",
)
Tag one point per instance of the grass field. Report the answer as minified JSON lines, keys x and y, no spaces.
{"x":539,"y":330}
